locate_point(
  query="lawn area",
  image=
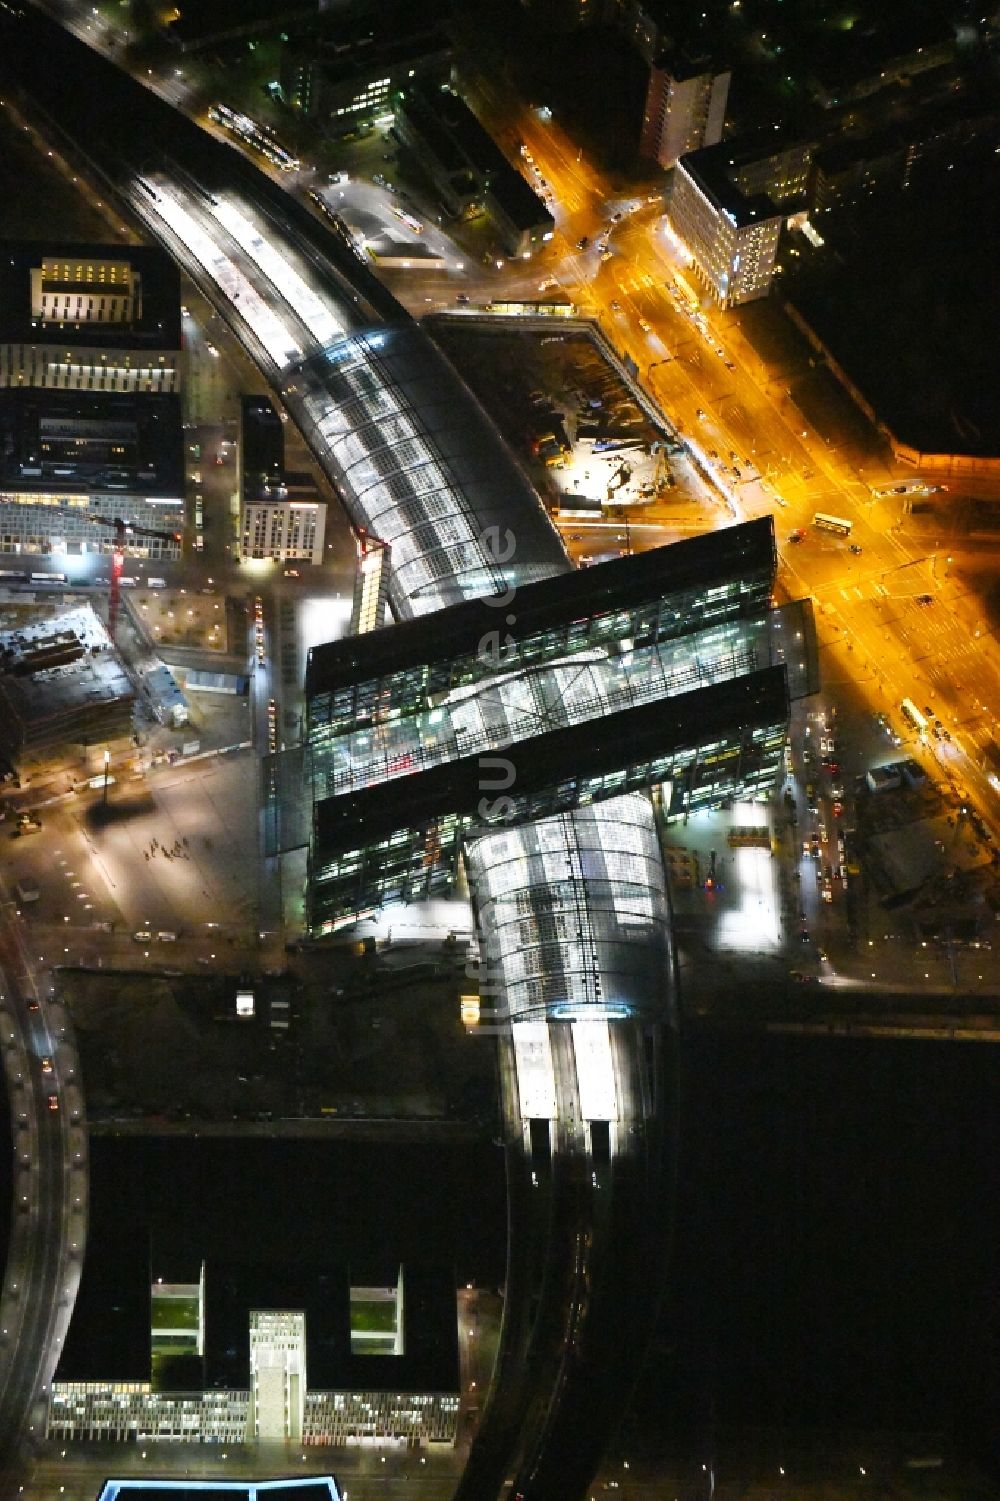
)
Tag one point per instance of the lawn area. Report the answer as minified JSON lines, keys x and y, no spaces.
{"x":373,"y":1318}
{"x":175,"y":1313}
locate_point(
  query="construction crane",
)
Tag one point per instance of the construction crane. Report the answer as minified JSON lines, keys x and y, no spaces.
{"x":123,"y":530}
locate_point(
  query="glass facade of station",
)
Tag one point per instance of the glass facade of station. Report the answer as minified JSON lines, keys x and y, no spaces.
{"x":572,"y":689}
{"x":666,"y":594}
{"x":722,"y":741}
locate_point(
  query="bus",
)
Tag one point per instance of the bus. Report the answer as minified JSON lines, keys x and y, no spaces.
{"x":913,"y":716}
{"x":832,"y":524}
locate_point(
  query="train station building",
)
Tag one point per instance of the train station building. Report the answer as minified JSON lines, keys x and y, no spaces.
{"x":669,"y":670}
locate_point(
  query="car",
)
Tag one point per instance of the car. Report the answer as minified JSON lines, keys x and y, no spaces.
{"x":838,"y":809}
{"x":583,"y":242}
{"x":46,"y":1065}
{"x":616,"y":306}
{"x":855,"y":549}
{"x":292,"y":573}
{"x":33,"y":1006}
{"x":797,"y":535}
{"x":699,"y":412}
{"x":53,"y":1102}
{"x":802,"y":979}
{"x":605,"y":255}
{"x":645,"y":325}
{"x":827,"y":892}
{"x":576,"y":536}
{"x":462,"y":297}
{"x":929,"y":712}
{"x":925,"y":599}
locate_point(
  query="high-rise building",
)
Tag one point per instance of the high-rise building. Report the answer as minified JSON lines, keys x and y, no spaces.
{"x":732,"y":238}
{"x":685,"y":107}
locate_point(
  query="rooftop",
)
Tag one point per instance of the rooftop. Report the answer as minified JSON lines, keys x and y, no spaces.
{"x":385,"y":37}
{"x":316,"y":1488}
{"x":59,"y":664}
{"x":206,"y":21}
{"x":77,"y":442}
{"x":262,"y":453}
{"x":850,"y":55}
{"x":711,"y":170}
{"x":629,"y":737}
{"x":734,"y":552}
{"x":158,"y":325}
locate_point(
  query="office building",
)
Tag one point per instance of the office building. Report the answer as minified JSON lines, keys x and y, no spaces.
{"x":349,"y":79}
{"x":685,"y":107}
{"x":781,"y":173}
{"x":89,"y":317}
{"x":682,"y":683}
{"x":277,"y":1375}
{"x":725,"y":741}
{"x":281,"y":517}
{"x":850,"y":173}
{"x":283,"y":530}
{"x":732,"y":238}
{"x":856,"y":62}
{"x":233,"y":1352}
{"x":470,"y":173}
{"x":75,"y":465}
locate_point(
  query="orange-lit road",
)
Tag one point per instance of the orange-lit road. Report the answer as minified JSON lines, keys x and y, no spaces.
{"x":872,"y":628}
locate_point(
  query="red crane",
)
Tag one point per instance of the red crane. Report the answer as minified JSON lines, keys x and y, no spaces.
{"x":123,"y":530}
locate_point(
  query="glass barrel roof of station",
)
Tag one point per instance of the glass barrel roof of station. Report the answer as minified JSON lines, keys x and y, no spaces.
{"x":422,"y":468}
{"x":573,"y":915}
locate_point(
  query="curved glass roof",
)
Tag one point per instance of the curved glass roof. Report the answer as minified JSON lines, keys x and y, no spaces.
{"x":419,"y":465}
{"x":573,"y":916}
